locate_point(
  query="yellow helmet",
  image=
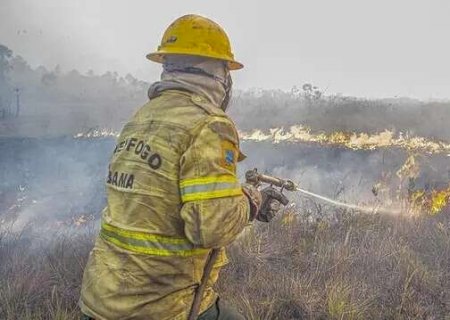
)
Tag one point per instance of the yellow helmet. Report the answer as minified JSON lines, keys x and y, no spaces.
{"x":198,"y":36}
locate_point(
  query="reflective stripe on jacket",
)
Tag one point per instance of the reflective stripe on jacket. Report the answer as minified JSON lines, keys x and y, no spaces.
{"x":172,"y":195}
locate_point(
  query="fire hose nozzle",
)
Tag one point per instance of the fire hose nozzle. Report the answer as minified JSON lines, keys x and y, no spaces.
{"x":255,"y":178}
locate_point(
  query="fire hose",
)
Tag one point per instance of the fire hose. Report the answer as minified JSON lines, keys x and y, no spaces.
{"x":255,"y":178}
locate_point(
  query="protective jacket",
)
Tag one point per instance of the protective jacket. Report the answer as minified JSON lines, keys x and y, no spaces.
{"x":172,"y":195}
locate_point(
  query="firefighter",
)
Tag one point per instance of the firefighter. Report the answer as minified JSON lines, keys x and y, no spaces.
{"x":172,"y":190}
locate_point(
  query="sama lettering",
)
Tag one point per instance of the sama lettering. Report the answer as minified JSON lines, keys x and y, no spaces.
{"x":140,"y":149}
{"x":120,"y":179}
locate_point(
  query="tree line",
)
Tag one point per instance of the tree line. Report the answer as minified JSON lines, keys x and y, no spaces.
{"x":107,"y":100}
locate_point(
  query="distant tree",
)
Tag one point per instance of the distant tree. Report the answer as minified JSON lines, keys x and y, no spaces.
{"x":19,"y":64}
{"x":5,"y":86}
{"x":5,"y":65}
{"x":49,"y":78}
{"x":131,"y":80}
{"x":57,"y":70}
{"x":311,"y":92}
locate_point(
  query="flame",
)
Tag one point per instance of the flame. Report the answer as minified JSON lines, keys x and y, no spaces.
{"x":433,"y":202}
{"x":351,"y":140}
{"x":75,"y":221}
{"x":410,"y":168}
{"x":97,"y":133}
{"x":300,"y":133}
{"x":421,"y":201}
{"x":439,"y":199}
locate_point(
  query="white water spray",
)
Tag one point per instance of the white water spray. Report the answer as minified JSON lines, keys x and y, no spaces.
{"x":347,"y":205}
{"x":255,"y":178}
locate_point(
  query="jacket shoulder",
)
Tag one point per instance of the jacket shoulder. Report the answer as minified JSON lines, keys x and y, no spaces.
{"x":173,"y":108}
{"x":187,"y":109}
{"x":207,"y":106}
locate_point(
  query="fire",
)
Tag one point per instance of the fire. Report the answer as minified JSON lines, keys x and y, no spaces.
{"x":433,"y":202}
{"x":97,"y":133}
{"x":410,"y":168}
{"x":439,"y":200}
{"x":417,"y":201}
{"x":300,"y":133}
{"x":351,"y":140}
{"x":75,"y":221}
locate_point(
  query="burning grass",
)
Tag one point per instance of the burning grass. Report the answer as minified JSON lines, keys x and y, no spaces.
{"x":354,"y":266}
{"x":302,"y":134}
{"x":351,"y":140}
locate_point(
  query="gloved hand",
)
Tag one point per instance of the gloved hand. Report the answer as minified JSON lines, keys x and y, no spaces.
{"x":254,"y":198}
{"x":272,"y":199}
{"x":265,"y":204}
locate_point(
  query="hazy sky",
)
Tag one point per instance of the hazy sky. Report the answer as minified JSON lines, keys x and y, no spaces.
{"x":373,"y":48}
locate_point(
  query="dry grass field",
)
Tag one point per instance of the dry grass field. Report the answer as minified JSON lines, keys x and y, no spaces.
{"x":358,"y":266}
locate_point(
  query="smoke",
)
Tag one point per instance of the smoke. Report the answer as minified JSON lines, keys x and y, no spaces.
{"x":334,"y":113}
{"x":52,"y":180}
{"x":363,"y":177}
{"x":59,"y":180}
{"x":58,"y":183}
